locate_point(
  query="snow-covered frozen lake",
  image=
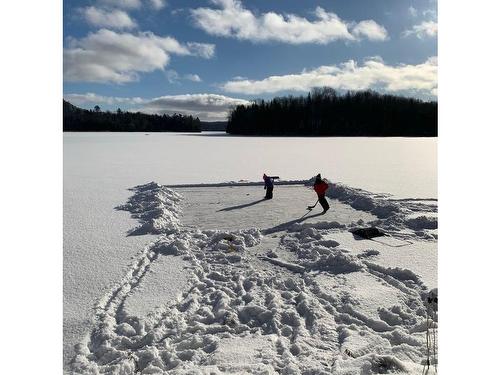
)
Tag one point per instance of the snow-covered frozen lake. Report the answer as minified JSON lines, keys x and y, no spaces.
{"x":405,"y":167}
{"x":100,"y":167}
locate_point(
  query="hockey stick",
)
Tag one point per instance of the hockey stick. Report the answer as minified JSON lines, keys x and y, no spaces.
{"x":311,"y":207}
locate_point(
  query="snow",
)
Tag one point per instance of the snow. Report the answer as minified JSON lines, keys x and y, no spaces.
{"x":211,"y":279}
{"x":156,"y":209}
{"x":310,"y":305}
{"x":96,"y":252}
{"x":419,"y":256}
{"x":404,"y":167}
{"x":162,"y":283}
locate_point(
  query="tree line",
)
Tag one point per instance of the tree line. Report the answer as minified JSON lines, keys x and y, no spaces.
{"x":324,"y":112}
{"x":80,"y":120}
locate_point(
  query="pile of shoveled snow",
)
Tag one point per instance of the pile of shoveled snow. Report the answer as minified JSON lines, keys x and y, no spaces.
{"x":291,"y":301}
{"x":155,"y":207}
{"x":416,"y":217}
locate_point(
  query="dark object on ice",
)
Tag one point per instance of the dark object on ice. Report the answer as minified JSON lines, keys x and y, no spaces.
{"x":269,"y":185}
{"x":320,"y":187}
{"x":368,"y":233}
{"x":432,"y":299}
{"x":372,"y":233}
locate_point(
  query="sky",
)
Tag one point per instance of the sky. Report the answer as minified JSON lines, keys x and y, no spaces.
{"x":203,"y":57}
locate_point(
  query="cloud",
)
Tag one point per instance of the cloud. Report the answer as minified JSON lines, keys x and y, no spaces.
{"x":372,"y":74}
{"x":207,"y":107}
{"x":432,"y":13}
{"x":174,"y":77}
{"x":125,"y":4}
{"x":192,"y":77}
{"x":231,"y":19}
{"x":412,"y":11}
{"x":91,"y":98}
{"x":157,"y":4}
{"x":133,"y":4}
{"x":115,"y":19}
{"x":370,"y":30}
{"x":422,"y":30}
{"x":108,"y":56}
{"x":204,"y":50}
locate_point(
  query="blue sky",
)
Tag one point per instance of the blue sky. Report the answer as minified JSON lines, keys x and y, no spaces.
{"x":202,"y":57}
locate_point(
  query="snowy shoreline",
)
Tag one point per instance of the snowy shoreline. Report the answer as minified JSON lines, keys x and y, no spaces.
{"x":306,"y":297}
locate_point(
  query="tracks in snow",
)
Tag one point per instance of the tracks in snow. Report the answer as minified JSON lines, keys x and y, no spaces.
{"x":295,"y":306}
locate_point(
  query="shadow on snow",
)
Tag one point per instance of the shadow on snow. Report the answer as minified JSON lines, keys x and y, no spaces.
{"x":242,"y":205}
{"x":283,"y":226}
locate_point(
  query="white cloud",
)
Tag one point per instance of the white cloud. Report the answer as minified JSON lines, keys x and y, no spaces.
{"x":157,"y":4}
{"x":108,"y":56}
{"x":211,"y":107}
{"x":126,"y":4}
{"x":116,"y":19}
{"x":208,"y":107}
{"x":192,"y":77}
{"x":372,"y":74}
{"x":432,"y":13}
{"x":231,"y":19}
{"x":422,"y":30}
{"x":370,"y":30}
{"x":92,"y":98}
{"x":413,"y":12}
{"x":201,"y":49}
{"x":133,"y":4}
{"x":174,"y":77}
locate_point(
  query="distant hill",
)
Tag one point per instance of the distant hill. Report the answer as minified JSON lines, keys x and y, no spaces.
{"x":324,"y":112}
{"x":214,"y":126}
{"x":81,"y":120}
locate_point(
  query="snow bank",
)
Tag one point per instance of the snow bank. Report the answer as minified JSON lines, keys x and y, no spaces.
{"x":156,"y":207}
{"x":422,"y":222}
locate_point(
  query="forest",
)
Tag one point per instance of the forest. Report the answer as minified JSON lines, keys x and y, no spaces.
{"x":81,"y":120}
{"x":325,"y":112}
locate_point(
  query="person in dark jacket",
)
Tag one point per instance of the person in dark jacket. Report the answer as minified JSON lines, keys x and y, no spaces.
{"x":269,"y":185}
{"x":320,"y":188}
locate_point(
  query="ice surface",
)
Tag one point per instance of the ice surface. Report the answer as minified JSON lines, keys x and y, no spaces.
{"x":239,"y":207}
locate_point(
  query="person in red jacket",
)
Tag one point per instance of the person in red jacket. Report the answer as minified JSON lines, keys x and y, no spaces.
{"x":320,"y":188}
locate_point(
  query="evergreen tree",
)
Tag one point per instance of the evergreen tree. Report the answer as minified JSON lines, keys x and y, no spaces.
{"x":77,"y":119}
{"x":323,"y":112}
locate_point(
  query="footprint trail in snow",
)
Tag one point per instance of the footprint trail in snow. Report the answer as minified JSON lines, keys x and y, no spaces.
{"x":289,"y":301}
